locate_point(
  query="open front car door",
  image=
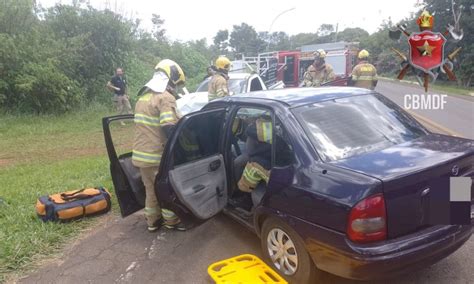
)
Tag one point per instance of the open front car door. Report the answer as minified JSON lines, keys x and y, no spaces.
{"x":126,"y":178}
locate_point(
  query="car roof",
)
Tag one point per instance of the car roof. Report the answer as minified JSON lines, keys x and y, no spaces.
{"x":239,"y":75}
{"x":232,"y":75}
{"x":300,"y":96}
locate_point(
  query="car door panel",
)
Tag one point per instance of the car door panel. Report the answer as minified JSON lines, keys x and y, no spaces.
{"x":201,"y":185}
{"x":134,"y":178}
{"x":198,"y":184}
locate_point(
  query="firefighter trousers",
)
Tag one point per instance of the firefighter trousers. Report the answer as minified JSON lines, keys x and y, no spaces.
{"x":153,"y":212}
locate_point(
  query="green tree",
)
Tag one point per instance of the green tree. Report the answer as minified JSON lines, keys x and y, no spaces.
{"x":221,"y":41}
{"x":275,"y":41}
{"x":17,"y":16}
{"x":325,"y":29}
{"x":158,"y":30}
{"x":244,"y":40}
{"x":301,"y":39}
{"x":444,"y":12}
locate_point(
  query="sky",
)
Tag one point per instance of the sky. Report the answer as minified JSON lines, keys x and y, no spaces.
{"x":192,"y":20}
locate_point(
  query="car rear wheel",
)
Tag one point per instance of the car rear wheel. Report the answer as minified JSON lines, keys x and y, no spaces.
{"x":284,"y":250}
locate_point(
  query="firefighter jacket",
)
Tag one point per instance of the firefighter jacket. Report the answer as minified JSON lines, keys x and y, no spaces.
{"x":364,"y":75}
{"x":152,"y":111}
{"x":218,"y":86}
{"x":316,"y":76}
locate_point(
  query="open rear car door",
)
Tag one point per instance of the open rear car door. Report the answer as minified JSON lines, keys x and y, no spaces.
{"x":192,"y":179}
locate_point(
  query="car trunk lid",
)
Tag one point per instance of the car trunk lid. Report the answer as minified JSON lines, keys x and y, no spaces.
{"x":412,"y":172}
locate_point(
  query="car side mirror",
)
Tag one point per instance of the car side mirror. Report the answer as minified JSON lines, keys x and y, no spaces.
{"x":281,"y":177}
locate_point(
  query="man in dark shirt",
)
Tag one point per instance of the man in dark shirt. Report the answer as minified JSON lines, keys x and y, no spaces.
{"x":118,"y":85}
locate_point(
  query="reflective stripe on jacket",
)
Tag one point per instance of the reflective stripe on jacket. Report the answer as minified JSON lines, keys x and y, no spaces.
{"x":264,"y":131}
{"x":364,"y":75}
{"x":253,"y":174}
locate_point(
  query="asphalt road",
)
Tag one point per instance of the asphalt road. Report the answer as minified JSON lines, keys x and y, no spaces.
{"x":457,"y":115}
{"x":122,"y":251}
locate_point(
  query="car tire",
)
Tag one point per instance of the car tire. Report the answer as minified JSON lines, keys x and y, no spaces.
{"x":301,"y":271}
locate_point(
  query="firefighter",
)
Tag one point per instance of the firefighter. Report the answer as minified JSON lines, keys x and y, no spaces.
{"x":364,"y":74}
{"x":319,"y":72}
{"x":155,"y":116}
{"x":218,"y":85}
{"x":258,"y":167}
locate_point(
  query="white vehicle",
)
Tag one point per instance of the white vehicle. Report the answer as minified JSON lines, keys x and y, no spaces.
{"x":239,"y":83}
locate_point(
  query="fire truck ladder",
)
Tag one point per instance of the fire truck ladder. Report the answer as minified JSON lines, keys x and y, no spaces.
{"x":261,"y":62}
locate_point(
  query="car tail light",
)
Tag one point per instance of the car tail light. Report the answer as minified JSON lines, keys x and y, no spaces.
{"x":368,"y":220}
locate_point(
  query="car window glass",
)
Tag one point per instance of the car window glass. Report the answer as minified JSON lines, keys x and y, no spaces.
{"x":199,"y":138}
{"x":204,"y":86}
{"x":255,"y":85}
{"x":284,"y":155}
{"x":236,"y":86}
{"x":351,"y":126}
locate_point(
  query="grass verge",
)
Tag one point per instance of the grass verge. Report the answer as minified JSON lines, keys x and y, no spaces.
{"x":43,"y":155}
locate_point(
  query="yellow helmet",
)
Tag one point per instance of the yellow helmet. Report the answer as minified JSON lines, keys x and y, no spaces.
{"x":172,"y":70}
{"x":223,"y":63}
{"x":320,"y":53}
{"x":363,"y":54}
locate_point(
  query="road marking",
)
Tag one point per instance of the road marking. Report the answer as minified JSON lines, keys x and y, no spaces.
{"x":433,"y":125}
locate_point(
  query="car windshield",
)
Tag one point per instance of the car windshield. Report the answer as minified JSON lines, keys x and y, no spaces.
{"x":236,"y":86}
{"x":346,"y":127}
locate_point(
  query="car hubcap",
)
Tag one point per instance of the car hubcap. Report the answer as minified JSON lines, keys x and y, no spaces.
{"x":282,"y":251}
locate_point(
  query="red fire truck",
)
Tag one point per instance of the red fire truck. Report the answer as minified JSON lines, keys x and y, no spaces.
{"x":289,"y":66}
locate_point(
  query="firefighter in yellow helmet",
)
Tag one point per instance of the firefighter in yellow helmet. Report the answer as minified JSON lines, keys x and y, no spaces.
{"x":218,"y":87}
{"x":319,"y":72}
{"x":364,"y":74}
{"x":258,"y":167}
{"x":155,"y":116}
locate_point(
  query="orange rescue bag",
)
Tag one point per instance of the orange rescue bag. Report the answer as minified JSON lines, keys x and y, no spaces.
{"x":72,"y":205}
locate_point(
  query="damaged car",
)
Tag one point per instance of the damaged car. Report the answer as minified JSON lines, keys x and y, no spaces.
{"x":347,"y":187}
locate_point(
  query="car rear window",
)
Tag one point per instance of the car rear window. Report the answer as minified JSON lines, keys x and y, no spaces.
{"x":346,"y":127}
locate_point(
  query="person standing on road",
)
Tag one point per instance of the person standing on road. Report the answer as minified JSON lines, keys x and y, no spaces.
{"x":118,"y":85}
{"x":364,"y":74}
{"x":319,"y":72}
{"x":218,"y":87}
{"x":155,"y":116}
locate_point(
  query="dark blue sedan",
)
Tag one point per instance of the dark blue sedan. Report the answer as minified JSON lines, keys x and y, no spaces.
{"x":349,"y":184}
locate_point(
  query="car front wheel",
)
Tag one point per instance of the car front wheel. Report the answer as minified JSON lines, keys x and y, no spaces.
{"x":284,"y":250}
